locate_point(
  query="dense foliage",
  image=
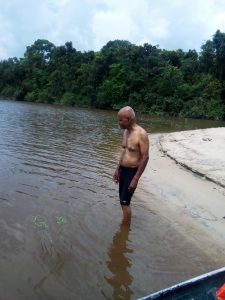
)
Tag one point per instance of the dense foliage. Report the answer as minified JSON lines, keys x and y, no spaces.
{"x":146,"y":77}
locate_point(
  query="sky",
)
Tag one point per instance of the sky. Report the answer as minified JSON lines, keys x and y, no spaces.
{"x":90,"y":24}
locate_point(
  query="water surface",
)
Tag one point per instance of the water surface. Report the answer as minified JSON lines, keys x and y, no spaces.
{"x":60,"y":217}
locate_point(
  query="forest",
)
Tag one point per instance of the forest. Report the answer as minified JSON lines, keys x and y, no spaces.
{"x":151,"y":80}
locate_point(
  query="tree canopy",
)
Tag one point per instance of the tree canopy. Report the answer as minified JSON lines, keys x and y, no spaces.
{"x":150,"y":79}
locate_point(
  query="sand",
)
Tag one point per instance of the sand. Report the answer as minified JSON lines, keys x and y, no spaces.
{"x":202,"y":151}
{"x":185,"y":181}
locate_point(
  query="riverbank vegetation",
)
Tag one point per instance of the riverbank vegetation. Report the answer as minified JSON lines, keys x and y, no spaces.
{"x":152,"y":80}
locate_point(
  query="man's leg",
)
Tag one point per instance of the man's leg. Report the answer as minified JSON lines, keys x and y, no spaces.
{"x":126,"y":214}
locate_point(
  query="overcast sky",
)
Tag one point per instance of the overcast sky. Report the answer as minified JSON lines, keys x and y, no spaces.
{"x":90,"y":24}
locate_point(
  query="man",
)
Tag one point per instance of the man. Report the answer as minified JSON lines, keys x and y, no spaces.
{"x":133,"y":160}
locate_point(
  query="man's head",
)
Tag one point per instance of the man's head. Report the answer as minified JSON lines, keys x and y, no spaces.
{"x":126,"y":117}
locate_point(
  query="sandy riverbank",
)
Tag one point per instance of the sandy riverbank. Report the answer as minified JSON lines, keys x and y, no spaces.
{"x":202,"y":151}
{"x":193,"y":204}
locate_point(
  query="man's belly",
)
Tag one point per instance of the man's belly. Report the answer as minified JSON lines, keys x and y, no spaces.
{"x":130,"y":161}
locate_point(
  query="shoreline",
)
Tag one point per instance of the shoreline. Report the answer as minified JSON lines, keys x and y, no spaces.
{"x":194,"y":205}
{"x":201,"y":151}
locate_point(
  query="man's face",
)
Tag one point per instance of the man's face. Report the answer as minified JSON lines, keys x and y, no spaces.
{"x":123,"y":121}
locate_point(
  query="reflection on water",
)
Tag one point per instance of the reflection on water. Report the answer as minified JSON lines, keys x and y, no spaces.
{"x":119,"y":264}
{"x":56,"y":163}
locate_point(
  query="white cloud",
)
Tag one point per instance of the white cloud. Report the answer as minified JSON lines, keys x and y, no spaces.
{"x":135,"y":21}
{"x":7,"y":38}
{"x":219,"y":20}
{"x":90,"y":24}
{"x":113,"y":25}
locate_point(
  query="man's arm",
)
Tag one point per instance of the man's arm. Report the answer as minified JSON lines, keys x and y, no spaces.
{"x":116,"y":174}
{"x":144,"y":152}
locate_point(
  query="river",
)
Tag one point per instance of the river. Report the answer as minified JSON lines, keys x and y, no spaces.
{"x":60,"y":217}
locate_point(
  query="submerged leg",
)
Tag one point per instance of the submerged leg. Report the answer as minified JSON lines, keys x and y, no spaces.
{"x":126,"y":214}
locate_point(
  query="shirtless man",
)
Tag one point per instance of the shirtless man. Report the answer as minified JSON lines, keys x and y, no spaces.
{"x":133,"y":160}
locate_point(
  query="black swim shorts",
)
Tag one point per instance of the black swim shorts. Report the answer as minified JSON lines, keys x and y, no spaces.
{"x":125,"y":178}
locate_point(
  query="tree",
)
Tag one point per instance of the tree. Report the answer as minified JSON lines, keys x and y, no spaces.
{"x":121,"y":73}
{"x":207,"y":58}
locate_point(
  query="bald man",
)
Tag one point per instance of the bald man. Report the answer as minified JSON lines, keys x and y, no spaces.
{"x":134,"y":158}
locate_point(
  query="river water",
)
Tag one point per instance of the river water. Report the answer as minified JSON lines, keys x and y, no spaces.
{"x":60,"y":220}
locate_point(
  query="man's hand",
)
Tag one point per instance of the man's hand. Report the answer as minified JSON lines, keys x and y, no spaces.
{"x":116,"y":176}
{"x":133,"y":185}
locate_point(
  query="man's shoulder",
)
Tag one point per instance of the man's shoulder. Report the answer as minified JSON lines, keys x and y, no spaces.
{"x":142,"y":131}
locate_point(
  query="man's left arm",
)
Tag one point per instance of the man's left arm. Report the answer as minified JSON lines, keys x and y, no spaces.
{"x":144,"y":152}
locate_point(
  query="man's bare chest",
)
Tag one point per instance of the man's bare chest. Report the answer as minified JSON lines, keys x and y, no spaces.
{"x":130,"y":143}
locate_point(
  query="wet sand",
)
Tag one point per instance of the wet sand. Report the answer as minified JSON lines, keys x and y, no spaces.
{"x":194,"y":205}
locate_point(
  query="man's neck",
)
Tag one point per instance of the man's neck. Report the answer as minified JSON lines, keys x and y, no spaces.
{"x":131,"y":127}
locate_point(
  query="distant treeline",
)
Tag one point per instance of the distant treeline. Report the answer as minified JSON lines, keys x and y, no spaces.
{"x":148,"y":78}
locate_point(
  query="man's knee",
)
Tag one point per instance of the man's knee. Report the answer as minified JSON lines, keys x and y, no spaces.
{"x":126,"y":209}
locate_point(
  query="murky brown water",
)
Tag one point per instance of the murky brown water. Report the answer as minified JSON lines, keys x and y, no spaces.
{"x":60,"y":232}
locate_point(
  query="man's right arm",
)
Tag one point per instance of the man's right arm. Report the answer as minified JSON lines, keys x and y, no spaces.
{"x":117,"y":171}
{"x":116,"y":174}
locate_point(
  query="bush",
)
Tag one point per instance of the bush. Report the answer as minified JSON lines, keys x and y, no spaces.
{"x":31,"y":96}
{"x":68,"y":98}
{"x":44,"y":96}
{"x":8,"y":91}
{"x":203,"y":109}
